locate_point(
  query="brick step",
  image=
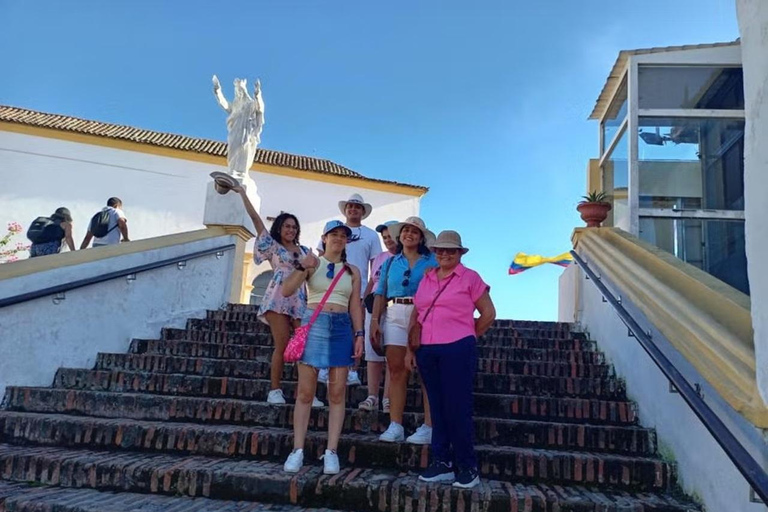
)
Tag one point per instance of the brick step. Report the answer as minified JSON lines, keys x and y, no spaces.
{"x":227,"y":410}
{"x":252,"y":316}
{"x":255,"y":326}
{"x":20,"y":497}
{"x":229,"y":439}
{"x":605,"y":387}
{"x":252,"y":309}
{"x":262,"y":337}
{"x":364,"y":489}
{"x":497,"y":462}
{"x":239,"y":352}
{"x":484,"y":351}
{"x":265,"y":346}
{"x":489,"y":388}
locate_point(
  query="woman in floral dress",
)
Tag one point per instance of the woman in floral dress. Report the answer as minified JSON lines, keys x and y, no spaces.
{"x":280,"y":247}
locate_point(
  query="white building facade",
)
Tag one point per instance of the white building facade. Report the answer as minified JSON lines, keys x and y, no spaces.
{"x":49,"y":160}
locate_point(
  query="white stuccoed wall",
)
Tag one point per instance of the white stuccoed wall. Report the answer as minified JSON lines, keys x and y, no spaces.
{"x":161,"y":195}
{"x":704,"y":469}
{"x":39,"y":336}
{"x":753,"y":25}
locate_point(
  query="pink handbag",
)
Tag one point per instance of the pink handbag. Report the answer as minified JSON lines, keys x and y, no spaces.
{"x":295,"y":348}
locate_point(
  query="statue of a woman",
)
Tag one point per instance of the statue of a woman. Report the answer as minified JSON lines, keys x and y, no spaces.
{"x":244,"y":125}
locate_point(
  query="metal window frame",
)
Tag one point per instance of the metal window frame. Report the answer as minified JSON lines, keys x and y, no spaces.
{"x":635,"y":113}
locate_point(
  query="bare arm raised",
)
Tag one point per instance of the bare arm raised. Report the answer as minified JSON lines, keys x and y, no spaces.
{"x":252,"y":213}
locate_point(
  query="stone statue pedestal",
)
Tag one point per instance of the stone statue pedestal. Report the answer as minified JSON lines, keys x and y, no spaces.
{"x":228,"y":210}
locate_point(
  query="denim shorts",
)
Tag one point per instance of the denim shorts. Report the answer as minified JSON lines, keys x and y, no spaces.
{"x":329,"y":343}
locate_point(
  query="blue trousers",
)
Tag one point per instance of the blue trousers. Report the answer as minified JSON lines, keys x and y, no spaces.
{"x":448,"y":372}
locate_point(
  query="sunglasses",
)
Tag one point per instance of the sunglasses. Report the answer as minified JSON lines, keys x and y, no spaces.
{"x":331,"y":269}
{"x":295,"y":259}
{"x":407,"y":276}
{"x":442,"y":250}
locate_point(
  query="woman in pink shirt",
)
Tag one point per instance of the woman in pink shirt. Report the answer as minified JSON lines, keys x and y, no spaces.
{"x":443,"y":334}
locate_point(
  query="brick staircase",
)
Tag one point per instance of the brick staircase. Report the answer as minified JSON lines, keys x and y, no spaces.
{"x":180,"y":424}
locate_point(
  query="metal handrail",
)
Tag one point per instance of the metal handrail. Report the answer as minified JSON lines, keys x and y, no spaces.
{"x":59,"y":288}
{"x":741,"y":458}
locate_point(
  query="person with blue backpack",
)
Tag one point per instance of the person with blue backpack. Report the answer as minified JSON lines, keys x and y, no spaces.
{"x":47,"y":234}
{"x":107,"y":226}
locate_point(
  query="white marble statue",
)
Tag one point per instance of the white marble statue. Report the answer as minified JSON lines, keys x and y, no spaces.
{"x":244,"y":123}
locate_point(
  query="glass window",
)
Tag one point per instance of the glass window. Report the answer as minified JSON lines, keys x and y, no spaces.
{"x":615,"y":115}
{"x":616,"y":182}
{"x":690,"y":87}
{"x":715,"y":246}
{"x":691,"y":163}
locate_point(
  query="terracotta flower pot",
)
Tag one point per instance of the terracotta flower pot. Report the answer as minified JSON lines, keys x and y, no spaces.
{"x":593,"y":213}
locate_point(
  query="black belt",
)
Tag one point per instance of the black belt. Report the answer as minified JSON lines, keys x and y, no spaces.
{"x":402,"y":300}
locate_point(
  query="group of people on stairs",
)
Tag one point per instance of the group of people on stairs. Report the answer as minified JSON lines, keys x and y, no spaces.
{"x":408,"y":308}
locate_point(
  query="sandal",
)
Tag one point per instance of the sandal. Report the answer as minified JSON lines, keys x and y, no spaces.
{"x":369,"y":404}
{"x":385,"y":405}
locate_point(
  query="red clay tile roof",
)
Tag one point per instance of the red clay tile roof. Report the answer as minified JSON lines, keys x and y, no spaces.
{"x":180,"y":142}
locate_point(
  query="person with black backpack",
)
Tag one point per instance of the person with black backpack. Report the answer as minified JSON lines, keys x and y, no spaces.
{"x":47,"y":233}
{"x":107,"y":225}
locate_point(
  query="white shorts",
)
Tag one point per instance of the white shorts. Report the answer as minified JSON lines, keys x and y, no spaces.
{"x":395,"y":324}
{"x":370,"y":355}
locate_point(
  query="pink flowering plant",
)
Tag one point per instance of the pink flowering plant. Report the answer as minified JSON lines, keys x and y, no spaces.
{"x":9,"y":252}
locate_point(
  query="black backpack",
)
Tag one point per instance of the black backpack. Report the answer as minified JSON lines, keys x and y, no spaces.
{"x":99,"y":226}
{"x":44,"y":230}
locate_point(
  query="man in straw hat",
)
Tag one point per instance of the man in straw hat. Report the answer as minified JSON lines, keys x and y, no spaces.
{"x":362,"y":247}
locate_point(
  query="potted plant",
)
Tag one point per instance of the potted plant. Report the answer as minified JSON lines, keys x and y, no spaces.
{"x":594,"y":208}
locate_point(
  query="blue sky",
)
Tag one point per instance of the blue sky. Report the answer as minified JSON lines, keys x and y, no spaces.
{"x":484,"y":102}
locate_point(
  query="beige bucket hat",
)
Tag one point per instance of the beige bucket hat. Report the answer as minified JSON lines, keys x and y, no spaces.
{"x":394,"y":229}
{"x":448,"y":239}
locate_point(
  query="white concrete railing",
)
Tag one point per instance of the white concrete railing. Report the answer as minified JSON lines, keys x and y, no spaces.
{"x":40,"y":335}
{"x":705,"y":471}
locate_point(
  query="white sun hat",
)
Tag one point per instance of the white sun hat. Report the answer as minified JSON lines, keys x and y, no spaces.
{"x":394,"y":229}
{"x":356,"y":199}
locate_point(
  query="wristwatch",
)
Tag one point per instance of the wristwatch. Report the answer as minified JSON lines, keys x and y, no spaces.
{"x":360,"y":333}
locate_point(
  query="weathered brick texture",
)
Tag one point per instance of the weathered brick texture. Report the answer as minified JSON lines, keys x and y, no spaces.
{"x":180,"y":423}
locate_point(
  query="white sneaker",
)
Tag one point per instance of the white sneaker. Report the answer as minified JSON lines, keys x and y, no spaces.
{"x":353,"y":379}
{"x":294,"y":461}
{"x":276,"y":397}
{"x":423,"y":435}
{"x":393,"y":434}
{"x":322,"y":376}
{"x":317,"y":403}
{"x":330,"y":462}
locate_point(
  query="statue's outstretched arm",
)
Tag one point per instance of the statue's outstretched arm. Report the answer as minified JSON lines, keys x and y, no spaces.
{"x":223,"y":103}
